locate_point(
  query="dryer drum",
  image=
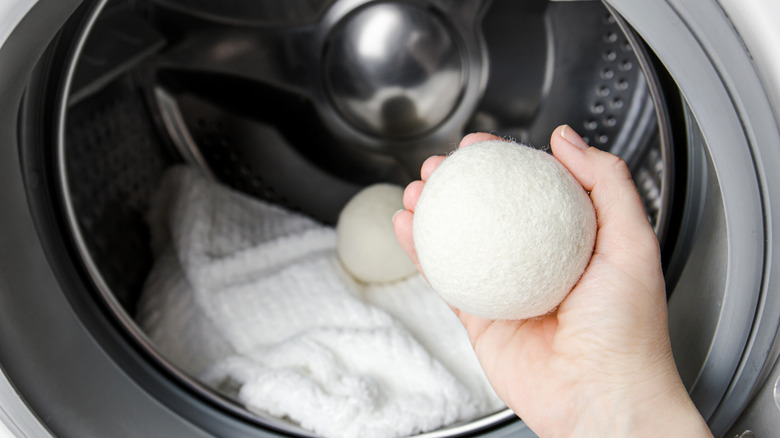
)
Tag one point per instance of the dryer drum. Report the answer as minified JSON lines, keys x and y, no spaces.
{"x":302,"y":103}
{"x":244,"y":89}
{"x":124,"y":124}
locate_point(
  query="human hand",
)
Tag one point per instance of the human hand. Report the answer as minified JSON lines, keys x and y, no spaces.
{"x":601,"y":364}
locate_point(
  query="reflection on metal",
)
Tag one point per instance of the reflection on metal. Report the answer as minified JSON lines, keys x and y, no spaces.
{"x":777,"y":393}
{"x":394,"y":70}
{"x":660,"y":161}
{"x":178,"y":131}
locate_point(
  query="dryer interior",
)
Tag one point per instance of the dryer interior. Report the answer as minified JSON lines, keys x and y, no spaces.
{"x":302,"y":103}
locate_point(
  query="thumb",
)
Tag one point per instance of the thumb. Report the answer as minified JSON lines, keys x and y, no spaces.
{"x":624,"y":231}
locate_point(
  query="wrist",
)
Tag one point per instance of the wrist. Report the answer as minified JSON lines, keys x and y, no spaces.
{"x":639,"y":410}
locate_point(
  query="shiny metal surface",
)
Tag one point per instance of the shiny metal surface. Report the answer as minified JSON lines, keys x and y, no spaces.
{"x":393,"y":70}
{"x":16,"y":419}
{"x":776,"y":393}
{"x":438,"y":70}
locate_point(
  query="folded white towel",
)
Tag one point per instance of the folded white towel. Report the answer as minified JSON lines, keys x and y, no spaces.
{"x":246,"y":294}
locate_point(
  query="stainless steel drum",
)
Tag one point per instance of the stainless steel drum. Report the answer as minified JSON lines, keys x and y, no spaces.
{"x":303,"y":113}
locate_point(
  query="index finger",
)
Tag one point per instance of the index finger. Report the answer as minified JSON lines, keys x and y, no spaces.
{"x":476,"y":138}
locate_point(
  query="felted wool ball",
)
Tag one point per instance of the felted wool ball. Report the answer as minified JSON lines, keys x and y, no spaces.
{"x":503,"y":231}
{"x":367,"y":246}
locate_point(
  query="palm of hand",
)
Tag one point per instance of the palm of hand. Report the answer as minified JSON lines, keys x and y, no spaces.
{"x":579,"y":349}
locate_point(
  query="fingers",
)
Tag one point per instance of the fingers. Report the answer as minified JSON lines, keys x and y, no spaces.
{"x":433,"y":162}
{"x":476,"y":138}
{"x":622,"y":220}
{"x":430,"y":165}
{"x":412,"y":194}
{"x":475,"y":326}
{"x":402,"y":225}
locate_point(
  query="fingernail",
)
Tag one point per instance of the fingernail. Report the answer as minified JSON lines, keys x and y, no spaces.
{"x":396,"y":214}
{"x":572,"y":137}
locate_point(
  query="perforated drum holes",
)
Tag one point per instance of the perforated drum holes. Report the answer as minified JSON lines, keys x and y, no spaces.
{"x":614,"y":87}
{"x":115,"y":162}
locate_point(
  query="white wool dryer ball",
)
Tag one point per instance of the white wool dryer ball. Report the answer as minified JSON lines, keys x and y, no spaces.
{"x":503,"y":231}
{"x":367,"y":245}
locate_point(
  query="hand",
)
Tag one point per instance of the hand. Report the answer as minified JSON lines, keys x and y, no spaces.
{"x":601,"y":364}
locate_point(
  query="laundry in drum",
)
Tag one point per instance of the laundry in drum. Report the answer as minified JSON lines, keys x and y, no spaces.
{"x":253,"y":300}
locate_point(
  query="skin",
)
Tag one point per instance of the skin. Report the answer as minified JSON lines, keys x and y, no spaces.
{"x":600,"y":365}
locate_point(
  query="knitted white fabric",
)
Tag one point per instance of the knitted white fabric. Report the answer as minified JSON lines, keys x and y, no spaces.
{"x":248,"y":296}
{"x":503,"y":231}
{"x":366,"y":242}
{"x":435,"y":326}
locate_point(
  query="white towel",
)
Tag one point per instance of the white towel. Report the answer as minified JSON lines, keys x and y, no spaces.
{"x":247,"y":295}
{"x":413,"y":303}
